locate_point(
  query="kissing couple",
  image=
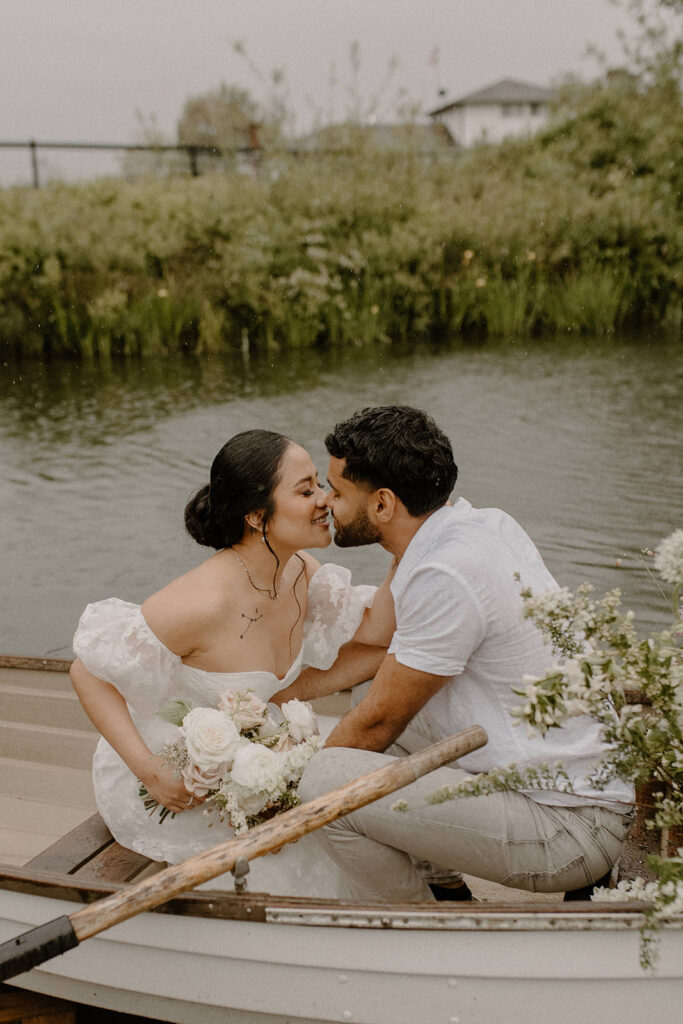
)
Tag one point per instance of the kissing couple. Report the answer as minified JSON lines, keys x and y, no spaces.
{"x":436,"y":647}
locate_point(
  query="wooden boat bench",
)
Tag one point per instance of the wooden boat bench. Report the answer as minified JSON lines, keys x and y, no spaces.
{"x":90,"y":853}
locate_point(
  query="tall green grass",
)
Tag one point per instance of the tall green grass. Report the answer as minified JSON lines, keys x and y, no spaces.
{"x":579,"y":229}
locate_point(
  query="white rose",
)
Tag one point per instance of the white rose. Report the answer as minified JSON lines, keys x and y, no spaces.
{"x":301,"y":719}
{"x":243,"y":801}
{"x":257,"y":768}
{"x":211,"y":738}
{"x":244,"y":707}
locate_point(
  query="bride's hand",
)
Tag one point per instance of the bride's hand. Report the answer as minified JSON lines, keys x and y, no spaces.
{"x":163,"y":785}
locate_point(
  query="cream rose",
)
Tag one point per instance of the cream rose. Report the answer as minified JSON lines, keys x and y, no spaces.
{"x":301,"y":719}
{"x":211,"y":738}
{"x":245,"y":708}
{"x":199,"y":782}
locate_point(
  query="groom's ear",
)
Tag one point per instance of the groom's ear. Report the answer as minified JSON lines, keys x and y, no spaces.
{"x":383,"y":505}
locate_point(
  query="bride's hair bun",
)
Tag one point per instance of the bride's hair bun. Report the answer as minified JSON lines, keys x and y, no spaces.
{"x":244,"y":475}
{"x":198,"y":517}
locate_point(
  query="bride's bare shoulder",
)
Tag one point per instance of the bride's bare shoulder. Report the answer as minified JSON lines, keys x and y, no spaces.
{"x":181,"y":612}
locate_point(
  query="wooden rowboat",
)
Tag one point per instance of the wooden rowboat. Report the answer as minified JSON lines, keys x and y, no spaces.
{"x":252,"y":958}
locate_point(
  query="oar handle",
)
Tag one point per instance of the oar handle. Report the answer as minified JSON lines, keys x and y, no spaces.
{"x":36,"y":946}
{"x":30,"y":949}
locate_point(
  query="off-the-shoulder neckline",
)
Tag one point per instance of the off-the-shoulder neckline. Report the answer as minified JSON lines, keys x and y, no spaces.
{"x":207,"y":672}
{"x":246,"y":672}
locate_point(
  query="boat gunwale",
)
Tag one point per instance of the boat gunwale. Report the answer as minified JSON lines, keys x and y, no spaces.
{"x":302,"y":910}
{"x":33,"y":662}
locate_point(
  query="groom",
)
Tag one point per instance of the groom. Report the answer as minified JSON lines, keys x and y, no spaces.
{"x":460,"y":644}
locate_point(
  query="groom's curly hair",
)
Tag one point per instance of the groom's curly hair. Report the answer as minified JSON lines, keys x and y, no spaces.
{"x":398,"y":447}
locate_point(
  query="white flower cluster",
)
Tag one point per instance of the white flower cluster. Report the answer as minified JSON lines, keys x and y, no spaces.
{"x":239,"y":756}
{"x":669,"y":558}
{"x":603,"y":668}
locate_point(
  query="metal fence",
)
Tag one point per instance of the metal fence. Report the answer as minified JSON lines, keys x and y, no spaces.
{"x":192,"y":152}
{"x":250,"y":157}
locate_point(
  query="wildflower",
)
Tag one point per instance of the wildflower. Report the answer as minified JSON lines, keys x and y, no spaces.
{"x":531,"y":255}
{"x":374,"y":310}
{"x":669,"y":557}
{"x":162,"y":293}
{"x":480,"y":282}
{"x":467,"y":256}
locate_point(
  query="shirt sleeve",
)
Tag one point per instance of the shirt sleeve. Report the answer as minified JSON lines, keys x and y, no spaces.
{"x":439,"y":622}
{"x":335,"y":611}
{"x":115,"y":643}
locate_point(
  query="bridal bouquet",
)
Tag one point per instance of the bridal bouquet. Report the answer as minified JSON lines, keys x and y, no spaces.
{"x":246,"y":757}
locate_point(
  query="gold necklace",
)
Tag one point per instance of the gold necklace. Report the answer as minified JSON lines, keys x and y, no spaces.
{"x":262,"y":590}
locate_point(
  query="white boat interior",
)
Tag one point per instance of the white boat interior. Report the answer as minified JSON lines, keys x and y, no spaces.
{"x":257,"y":959}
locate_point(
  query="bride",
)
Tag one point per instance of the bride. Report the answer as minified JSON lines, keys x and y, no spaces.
{"x":250,"y":617}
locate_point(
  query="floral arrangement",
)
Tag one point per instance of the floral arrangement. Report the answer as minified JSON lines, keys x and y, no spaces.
{"x":633,"y":687}
{"x":246,"y":757}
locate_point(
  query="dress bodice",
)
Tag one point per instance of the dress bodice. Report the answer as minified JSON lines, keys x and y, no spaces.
{"x":196,"y":684}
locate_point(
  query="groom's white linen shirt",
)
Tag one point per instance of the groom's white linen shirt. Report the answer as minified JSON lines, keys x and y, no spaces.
{"x":459,"y":614}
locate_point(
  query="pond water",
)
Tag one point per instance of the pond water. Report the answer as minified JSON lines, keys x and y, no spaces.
{"x":580,"y":441}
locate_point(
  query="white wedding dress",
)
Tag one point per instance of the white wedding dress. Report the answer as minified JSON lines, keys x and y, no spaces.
{"x":115,"y":643}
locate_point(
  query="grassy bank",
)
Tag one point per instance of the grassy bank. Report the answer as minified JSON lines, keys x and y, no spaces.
{"x":577,"y":230}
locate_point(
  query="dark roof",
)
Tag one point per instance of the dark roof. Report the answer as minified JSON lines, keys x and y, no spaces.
{"x":506,"y":91}
{"x":425,"y":138}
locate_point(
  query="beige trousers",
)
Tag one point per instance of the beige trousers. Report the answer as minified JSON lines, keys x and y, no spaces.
{"x":504,"y":837}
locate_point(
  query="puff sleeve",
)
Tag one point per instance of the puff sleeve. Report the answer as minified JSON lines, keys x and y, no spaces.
{"x":115,"y":643}
{"x":335,"y":611}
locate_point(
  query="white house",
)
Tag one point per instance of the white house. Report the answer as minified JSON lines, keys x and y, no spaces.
{"x":496,"y":112}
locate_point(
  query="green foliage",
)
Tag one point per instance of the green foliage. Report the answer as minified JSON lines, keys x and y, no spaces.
{"x":577,"y":229}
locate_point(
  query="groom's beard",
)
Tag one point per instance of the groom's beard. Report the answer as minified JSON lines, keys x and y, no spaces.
{"x":356,"y":533}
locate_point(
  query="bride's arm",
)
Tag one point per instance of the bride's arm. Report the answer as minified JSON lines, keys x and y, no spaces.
{"x":355,"y":663}
{"x":379,"y":620}
{"x":108,"y":712}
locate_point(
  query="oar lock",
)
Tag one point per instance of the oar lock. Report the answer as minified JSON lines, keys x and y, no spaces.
{"x":239,"y":873}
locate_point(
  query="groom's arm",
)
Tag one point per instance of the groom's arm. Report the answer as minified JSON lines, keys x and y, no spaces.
{"x":396,"y":695}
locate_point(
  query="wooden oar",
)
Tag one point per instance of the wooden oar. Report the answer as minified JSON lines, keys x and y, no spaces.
{"x":48,"y":940}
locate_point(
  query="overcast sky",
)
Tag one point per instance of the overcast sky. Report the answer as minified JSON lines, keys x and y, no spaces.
{"x":78,"y":70}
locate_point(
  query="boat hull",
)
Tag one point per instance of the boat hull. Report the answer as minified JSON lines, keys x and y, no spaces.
{"x":362,"y":965}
